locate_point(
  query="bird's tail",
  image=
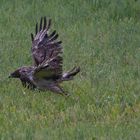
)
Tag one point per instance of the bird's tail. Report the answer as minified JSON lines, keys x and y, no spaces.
{"x":70,"y":74}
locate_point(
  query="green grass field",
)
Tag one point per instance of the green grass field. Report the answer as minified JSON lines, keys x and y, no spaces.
{"x":100,"y":36}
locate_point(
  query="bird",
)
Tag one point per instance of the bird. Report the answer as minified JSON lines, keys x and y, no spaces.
{"x":46,"y":71}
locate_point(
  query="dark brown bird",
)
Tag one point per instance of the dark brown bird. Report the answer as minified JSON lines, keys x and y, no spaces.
{"x":46,"y":72}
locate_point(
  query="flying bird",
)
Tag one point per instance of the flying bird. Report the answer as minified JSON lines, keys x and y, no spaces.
{"x":46,"y":72}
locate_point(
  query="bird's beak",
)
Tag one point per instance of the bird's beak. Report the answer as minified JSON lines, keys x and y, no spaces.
{"x":15,"y":74}
{"x":10,"y":76}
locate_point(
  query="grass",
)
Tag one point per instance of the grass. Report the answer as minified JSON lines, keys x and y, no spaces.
{"x":103,"y":38}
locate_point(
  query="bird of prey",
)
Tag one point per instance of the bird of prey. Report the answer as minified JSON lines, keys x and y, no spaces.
{"x":46,"y":72}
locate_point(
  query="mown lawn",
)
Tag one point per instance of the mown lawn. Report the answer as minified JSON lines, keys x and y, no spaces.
{"x":100,"y":36}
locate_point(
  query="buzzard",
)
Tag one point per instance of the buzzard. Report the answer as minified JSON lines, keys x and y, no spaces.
{"x":46,"y":73}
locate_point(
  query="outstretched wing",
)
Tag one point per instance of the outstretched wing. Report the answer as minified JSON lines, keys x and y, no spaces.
{"x":50,"y":69}
{"x":44,"y":45}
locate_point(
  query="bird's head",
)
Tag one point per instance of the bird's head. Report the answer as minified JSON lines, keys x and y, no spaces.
{"x":21,"y":72}
{"x":15,"y":74}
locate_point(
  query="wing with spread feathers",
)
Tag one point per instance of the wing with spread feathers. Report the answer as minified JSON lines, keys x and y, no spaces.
{"x":44,"y":45}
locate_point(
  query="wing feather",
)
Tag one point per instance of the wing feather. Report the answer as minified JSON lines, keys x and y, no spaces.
{"x":43,"y":43}
{"x":45,"y":22}
{"x":36,"y":29}
{"x":40,"y":24}
{"x":46,"y":51}
{"x":49,"y":23}
{"x":50,"y":69}
{"x":32,"y":37}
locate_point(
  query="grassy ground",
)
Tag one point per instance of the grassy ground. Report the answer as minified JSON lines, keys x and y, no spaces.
{"x":100,"y":36}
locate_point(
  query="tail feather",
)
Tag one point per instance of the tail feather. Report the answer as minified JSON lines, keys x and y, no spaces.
{"x":70,"y":74}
